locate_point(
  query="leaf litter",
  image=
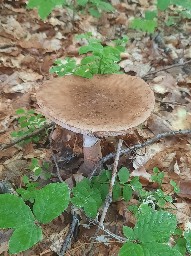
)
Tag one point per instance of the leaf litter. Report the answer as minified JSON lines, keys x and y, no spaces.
{"x":28,"y":49}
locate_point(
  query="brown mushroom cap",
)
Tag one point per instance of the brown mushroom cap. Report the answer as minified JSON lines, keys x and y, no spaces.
{"x":106,"y":105}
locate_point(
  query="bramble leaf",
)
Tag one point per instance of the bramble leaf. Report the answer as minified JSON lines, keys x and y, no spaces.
{"x":86,"y":197}
{"x":155,"y":226}
{"x":187,"y":236}
{"x":14,"y":212}
{"x":158,"y":249}
{"x":44,"y":6}
{"x":24,"y":237}
{"x":127,"y":192}
{"x":50,"y":201}
{"x":163,"y":4}
{"x":123,"y":175}
{"x":131,"y":249}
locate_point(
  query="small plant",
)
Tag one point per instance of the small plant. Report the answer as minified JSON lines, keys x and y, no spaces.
{"x":15,"y":214}
{"x":39,"y":170}
{"x":94,"y":7}
{"x":151,"y":234}
{"x":28,"y":122}
{"x":102,"y":59}
{"x":147,"y":24}
{"x":157,"y":176}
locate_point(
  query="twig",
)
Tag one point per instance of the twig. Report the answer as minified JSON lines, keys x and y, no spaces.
{"x":57,"y":167}
{"x":166,"y":68}
{"x":139,"y":146}
{"x":36,"y":132}
{"x":108,"y":199}
{"x":70,"y":234}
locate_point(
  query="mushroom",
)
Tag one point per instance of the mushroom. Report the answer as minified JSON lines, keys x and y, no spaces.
{"x":106,"y":105}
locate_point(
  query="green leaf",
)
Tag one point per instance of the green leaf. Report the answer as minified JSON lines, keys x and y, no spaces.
{"x":158,"y":249}
{"x":127,"y":192}
{"x":131,"y":249}
{"x":123,"y":175}
{"x":24,"y":237}
{"x":51,"y":201}
{"x":94,"y":47}
{"x":175,"y":186}
{"x":82,"y":2}
{"x":187,"y":236}
{"x":20,"y":111}
{"x":155,"y":226}
{"x":180,"y":245}
{"x":136,"y":184}
{"x":163,"y":4}
{"x":14,"y":212}
{"x":44,"y":6}
{"x":144,"y":25}
{"x":116,"y":191}
{"x":150,"y":15}
{"x":86,"y":197}
{"x":128,"y":232}
{"x":94,"y":12}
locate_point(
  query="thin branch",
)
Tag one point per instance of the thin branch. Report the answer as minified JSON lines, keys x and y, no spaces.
{"x":166,"y":68}
{"x":108,"y":199}
{"x":57,"y":168}
{"x":140,"y":145}
{"x":70,"y":234}
{"x":36,"y":132}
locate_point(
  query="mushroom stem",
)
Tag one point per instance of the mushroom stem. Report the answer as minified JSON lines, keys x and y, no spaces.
{"x":92,"y":153}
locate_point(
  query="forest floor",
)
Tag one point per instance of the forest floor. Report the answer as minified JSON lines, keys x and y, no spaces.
{"x":28,"y":48}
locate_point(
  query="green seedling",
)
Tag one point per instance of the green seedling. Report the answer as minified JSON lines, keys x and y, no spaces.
{"x":94,"y":7}
{"x":157,"y":176}
{"x":100,"y":60}
{"x":48,"y":203}
{"x":151,"y":234}
{"x":28,"y":122}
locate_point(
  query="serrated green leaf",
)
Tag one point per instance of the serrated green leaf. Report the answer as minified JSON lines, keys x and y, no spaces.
{"x":87,"y":197}
{"x":44,"y":6}
{"x":155,"y":226}
{"x":14,"y":212}
{"x":20,"y":111}
{"x":158,"y":249}
{"x":94,"y":47}
{"x":51,"y":201}
{"x":163,"y":4}
{"x":82,"y":2}
{"x":136,"y":184}
{"x":144,"y":25}
{"x":123,"y":175}
{"x":94,"y":12}
{"x":131,"y":249}
{"x":116,"y":191}
{"x":150,"y":15}
{"x":187,"y":236}
{"x":127,"y":192}
{"x":24,"y":237}
{"x":128,"y":232}
{"x":180,"y":245}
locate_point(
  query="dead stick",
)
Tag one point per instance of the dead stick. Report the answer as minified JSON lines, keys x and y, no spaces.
{"x":108,"y":199}
{"x":141,"y":145}
{"x":166,"y":68}
{"x":36,"y":132}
